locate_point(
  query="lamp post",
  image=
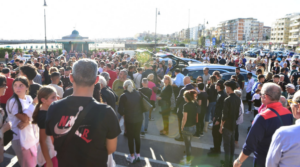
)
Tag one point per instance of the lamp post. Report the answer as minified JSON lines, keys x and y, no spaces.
{"x":198,"y":35}
{"x":45,"y":5}
{"x":155,"y":27}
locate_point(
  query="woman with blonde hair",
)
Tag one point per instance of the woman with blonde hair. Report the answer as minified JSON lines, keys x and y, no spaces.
{"x":269,"y":77}
{"x":165,"y":103}
{"x":52,"y":70}
{"x":130,"y":107}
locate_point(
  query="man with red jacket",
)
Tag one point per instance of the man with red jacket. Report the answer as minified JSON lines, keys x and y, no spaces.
{"x":112,"y":74}
{"x":9,"y":91}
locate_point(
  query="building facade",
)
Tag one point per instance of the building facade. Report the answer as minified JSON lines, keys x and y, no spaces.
{"x":266,"y":33}
{"x":241,"y":30}
{"x":294,"y":34}
{"x":194,"y":32}
{"x":281,"y":34}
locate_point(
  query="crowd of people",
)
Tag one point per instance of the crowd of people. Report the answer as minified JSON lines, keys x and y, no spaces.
{"x":51,"y":106}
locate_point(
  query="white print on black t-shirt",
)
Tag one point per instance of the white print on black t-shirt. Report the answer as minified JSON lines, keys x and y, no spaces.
{"x":66,"y":126}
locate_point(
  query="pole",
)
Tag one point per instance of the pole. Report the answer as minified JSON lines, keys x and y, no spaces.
{"x":155,"y":29}
{"x":45,"y":32}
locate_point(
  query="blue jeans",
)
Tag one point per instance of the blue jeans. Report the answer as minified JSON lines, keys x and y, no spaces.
{"x":210,"y":110}
{"x":187,"y":135}
{"x":145,"y":121}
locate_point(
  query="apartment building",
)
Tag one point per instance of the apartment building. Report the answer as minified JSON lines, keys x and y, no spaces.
{"x":294,"y":33}
{"x":280,"y":30}
{"x":241,"y":30}
{"x":266,"y":33}
{"x":194,"y":32}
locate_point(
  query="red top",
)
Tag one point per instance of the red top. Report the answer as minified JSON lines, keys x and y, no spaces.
{"x":9,"y":91}
{"x":113,"y":76}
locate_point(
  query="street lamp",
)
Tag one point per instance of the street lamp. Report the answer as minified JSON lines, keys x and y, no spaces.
{"x":156,"y":13}
{"x":45,"y":5}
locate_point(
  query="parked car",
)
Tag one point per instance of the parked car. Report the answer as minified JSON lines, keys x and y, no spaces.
{"x":227,"y":76}
{"x":296,"y":56}
{"x":195,"y":70}
{"x":250,"y":53}
{"x":27,"y":57}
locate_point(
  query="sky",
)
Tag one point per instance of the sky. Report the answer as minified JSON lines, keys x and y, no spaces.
{"x":96,"y":19}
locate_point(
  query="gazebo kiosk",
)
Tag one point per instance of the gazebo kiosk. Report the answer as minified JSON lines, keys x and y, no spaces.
{"x":75,"y":42}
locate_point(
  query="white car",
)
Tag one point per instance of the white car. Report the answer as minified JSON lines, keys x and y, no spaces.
{"x":131,"y":53}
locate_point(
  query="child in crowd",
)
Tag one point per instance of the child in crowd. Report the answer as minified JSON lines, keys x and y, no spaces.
{"x":256,"y":101}
{"x":46,"y":153}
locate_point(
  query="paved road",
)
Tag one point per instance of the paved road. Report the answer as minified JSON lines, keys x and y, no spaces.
{"x":163,"y":151}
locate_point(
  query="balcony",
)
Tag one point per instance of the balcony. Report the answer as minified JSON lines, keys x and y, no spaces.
{"x":294,"y":36}
{"x":294,"y":30}
{"x":294,"y":43}
{"x":295,"y":18}
{"x":295,"y":24}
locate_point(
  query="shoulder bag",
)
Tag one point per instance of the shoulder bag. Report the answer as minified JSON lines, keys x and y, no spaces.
{"x":277,"y":115}
{"x":146,"y":105}
{"x":76,"y":125}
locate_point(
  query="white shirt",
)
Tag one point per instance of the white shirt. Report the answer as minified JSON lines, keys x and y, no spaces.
{"x":284,"y":149}
{"x":206,"y":59}
{"x":100,"y":69}
{"x":256,"y":96}
{"x":250,"y":85}
{"x":137,"y":80}
{"x":12,"y":108}
{"x":22,"y":58}
{"x":59,"y":90}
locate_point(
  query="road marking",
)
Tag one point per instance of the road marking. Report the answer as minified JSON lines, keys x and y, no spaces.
{"x":151,"y":160}
{"x":194,"y":144}
{"x":147,"y":162}
{"x":162,"y":157}
{"x":13,"y":161}
{"x":153,"y":155}
{"x":7,"y":146}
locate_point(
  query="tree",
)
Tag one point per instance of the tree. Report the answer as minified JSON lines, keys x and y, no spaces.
{"x":267,"y":37}
{"x":202,"y":41}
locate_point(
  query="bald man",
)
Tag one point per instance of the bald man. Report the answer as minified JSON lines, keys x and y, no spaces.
{"x":180,"y":102}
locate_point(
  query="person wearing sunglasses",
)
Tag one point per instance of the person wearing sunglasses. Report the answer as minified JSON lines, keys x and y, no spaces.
{"x":264,"y":126}
{"x":286,"y":138}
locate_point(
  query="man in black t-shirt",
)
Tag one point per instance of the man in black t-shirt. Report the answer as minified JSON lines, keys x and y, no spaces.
{"x":65,"y":79}
{"x":240,"y":78}
{"x":147,"y":92}
{"x":108,"y":96}
{"x":95,"y":137}
{"x":29,"y":71}
{"x":203,"y":96}
{"x":217,"y":136}
{"x":295,"y":77}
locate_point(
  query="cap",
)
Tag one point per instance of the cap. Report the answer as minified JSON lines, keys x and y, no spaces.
{"x":290,"y":86}
{"x":105,"y":75}
{"x":5,"y":70}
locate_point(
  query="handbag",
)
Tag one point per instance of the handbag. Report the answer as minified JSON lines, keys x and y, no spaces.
{"x":146,"y":105}
{"x":78,"y":121}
